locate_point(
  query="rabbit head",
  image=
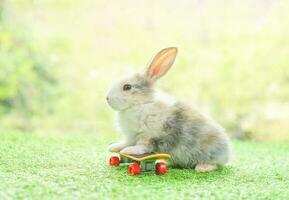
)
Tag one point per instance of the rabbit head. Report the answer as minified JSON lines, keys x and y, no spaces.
{"x":138,"y":88}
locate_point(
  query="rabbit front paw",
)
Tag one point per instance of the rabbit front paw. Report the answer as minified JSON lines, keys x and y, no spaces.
{"x":116,"y":147}
{"x":139,"y":149}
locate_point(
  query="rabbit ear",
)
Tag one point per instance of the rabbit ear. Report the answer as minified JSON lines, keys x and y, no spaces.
{"x":161,"y":63}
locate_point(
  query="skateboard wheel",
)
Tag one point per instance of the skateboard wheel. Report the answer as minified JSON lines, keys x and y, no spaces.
{"x":161,"y":168}
{"x":134,"y":169}
{"x":114,"y":161}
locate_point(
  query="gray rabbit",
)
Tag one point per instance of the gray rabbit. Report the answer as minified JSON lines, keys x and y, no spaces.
{"x":154,"y":121}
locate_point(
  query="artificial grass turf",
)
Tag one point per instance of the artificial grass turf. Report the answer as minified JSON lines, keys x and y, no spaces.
{"x":34,"y":166}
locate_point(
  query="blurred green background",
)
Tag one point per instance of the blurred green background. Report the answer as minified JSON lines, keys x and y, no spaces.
{"x":58,"y":58}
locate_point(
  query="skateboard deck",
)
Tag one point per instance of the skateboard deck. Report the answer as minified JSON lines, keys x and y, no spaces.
{"x":146,"y":156}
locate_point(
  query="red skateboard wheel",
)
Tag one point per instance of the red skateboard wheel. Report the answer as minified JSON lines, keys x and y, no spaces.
{"x":134,"y":169}
{"x":114,"y":161}
{"x":161,"y":168}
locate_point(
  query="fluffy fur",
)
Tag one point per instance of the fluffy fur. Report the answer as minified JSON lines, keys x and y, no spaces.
{"x":153,"y":121}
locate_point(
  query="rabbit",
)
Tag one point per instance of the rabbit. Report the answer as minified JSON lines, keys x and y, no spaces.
{"x":152,"y":121}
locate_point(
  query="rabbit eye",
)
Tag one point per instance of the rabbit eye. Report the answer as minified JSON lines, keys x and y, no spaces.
{"x":126,"y":87}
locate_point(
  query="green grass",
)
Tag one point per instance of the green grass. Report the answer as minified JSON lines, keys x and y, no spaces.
{"x":37,"y":166}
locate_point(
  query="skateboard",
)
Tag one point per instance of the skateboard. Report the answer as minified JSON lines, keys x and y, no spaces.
{"x":142,"y":162}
